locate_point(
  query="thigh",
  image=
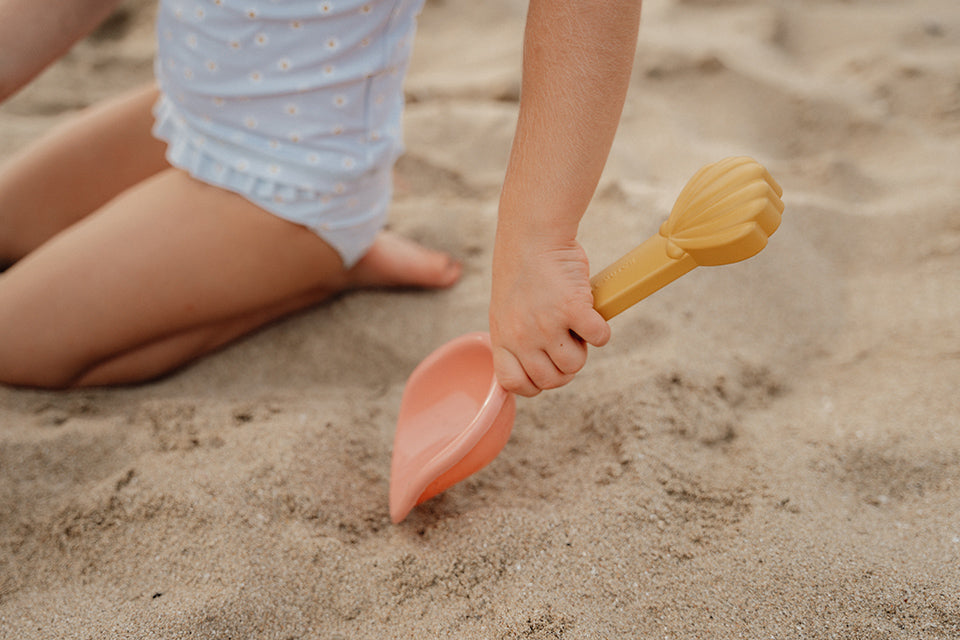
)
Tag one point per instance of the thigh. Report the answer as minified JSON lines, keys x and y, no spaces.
{"x":75,"y":169}
{"x":168,"y":256}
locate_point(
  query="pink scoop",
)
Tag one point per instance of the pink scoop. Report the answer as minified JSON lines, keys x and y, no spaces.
{"x":725,"y":214}
{"x":453,"y":387}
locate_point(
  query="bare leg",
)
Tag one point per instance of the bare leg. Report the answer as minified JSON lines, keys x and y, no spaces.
{"x":168,"y":271}
{"x":75,"y":169}
{"x":119,"y":272}
{"x":392,"y":262}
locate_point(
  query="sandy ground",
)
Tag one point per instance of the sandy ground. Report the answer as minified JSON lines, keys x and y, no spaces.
{"x":766,"y":450}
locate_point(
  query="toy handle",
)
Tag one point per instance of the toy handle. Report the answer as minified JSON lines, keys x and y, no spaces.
{"x":644,"y":270}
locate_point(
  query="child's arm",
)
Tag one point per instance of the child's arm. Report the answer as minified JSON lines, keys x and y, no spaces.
{"x":577,"y":62}
{"x":34,"y":33}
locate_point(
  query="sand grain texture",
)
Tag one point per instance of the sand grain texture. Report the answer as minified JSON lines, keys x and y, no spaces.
{"x":766,"y":450}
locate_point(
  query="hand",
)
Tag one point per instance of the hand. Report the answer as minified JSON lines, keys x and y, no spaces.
{"x":541,"y":314}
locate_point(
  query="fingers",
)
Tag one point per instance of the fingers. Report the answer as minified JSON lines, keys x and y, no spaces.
{"x":538,"y":370}
{"x":593,"y":329}
{"x":536,"y":373}
{"x":510,"y":374}
{"x":528,"y":372}
{"x":569,"y":354}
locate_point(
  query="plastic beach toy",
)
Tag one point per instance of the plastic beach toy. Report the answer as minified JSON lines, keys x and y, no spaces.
{"x":455,"y":417}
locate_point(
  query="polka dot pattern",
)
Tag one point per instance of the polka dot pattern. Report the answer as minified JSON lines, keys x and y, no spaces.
{"x":296,"y":107}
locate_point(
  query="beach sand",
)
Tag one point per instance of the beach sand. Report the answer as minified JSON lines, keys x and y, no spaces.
{"x":764,"y":450}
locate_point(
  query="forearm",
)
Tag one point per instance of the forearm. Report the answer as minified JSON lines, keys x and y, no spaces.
{"x":578,"y":58}
{"x":34,"y":33}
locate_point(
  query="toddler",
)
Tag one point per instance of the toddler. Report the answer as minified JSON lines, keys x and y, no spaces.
{"x":253,"y":178}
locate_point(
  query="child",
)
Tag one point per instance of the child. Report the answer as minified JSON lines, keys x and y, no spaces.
{"x":253,"y":180}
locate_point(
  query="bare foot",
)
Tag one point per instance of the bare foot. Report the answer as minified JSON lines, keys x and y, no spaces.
{"x":394,"y":261}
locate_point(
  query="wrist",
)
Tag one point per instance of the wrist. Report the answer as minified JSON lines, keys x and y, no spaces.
{"x":535,"y":214}
{"x":542,"y":199}
{"x":531,"y":233}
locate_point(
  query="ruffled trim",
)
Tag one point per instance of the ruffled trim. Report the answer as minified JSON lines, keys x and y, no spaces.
{"x":348,"y":213}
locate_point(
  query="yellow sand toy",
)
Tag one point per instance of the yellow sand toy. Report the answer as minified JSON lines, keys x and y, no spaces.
{"x":454,"y":415}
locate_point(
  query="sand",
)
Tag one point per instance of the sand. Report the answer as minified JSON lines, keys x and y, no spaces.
{"x":765,"y":450}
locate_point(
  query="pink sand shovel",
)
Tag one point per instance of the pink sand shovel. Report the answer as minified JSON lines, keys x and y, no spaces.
{"x":455,"y":417}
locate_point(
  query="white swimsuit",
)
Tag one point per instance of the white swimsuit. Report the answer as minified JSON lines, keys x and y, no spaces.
{"x":294,"y":104}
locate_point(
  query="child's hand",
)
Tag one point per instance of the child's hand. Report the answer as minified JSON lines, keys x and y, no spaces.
{"x":577,"y":60}
{"x":541,"y":297}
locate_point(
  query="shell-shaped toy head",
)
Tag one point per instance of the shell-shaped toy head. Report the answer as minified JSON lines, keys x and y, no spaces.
{"x":725,"y":213}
